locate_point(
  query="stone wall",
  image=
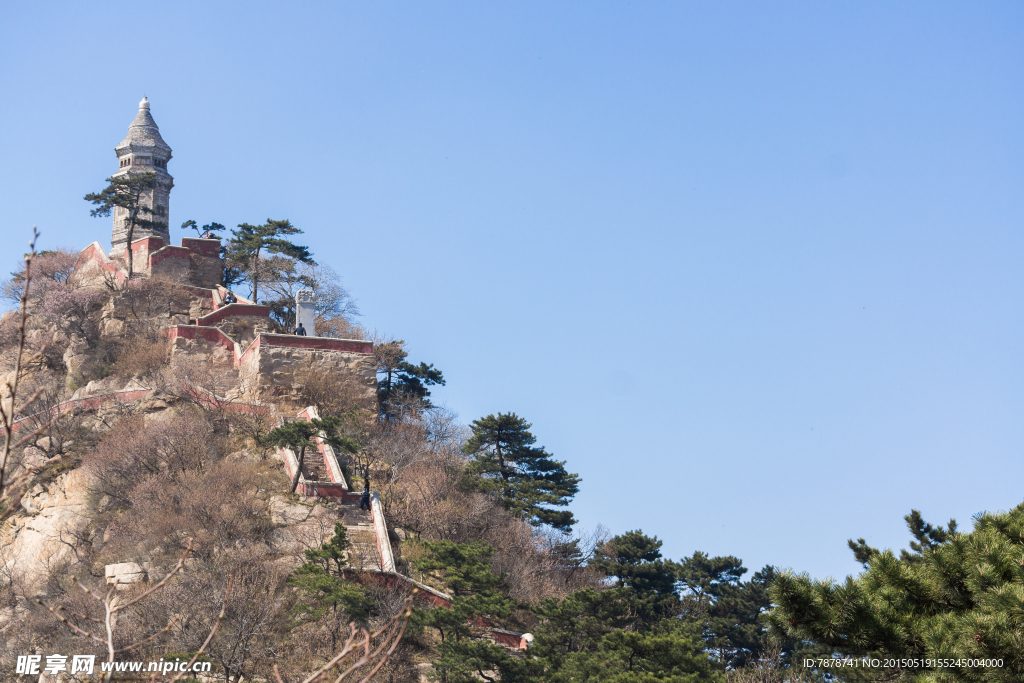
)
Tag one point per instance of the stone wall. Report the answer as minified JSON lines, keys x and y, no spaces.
{"x":244,"y":328}
{"x":204,"y":350}
{"x":206,"y":265}
{"x":94,"y":268}
{"x":273,"y":366}
{"x":196,"y":262}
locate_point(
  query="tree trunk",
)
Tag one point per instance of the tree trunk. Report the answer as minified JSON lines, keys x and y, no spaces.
{"x":131,"y":232}
{"x":298,"y":469}
{"x":254,"y":268}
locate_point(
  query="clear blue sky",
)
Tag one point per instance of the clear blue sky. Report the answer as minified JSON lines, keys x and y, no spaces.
{"x":755,"y":270}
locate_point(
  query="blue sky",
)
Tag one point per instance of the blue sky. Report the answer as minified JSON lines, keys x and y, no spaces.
{"x":753,"y":269}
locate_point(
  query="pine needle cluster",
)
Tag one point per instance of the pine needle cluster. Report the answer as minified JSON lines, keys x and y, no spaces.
{"x":954,"y":596}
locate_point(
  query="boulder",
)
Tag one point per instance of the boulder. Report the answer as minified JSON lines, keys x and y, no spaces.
{"x":124,"y":574}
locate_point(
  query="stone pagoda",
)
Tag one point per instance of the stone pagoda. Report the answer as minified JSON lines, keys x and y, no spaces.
{"x":143,"y":150}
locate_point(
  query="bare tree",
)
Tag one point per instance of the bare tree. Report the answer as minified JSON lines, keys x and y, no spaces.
{"x":332,"y":392}
{"x":242,"y":622}
{"x":769,"y":667}
{"x":390,"y":449}
{"x":250,"y":637}
{"x":49,"y":268}
{"x":111,"y":607}
{"x":221,"y":507}
{"x":284,"y":277}
{"x":203,"y":382}
{"x":340,"y":328}
{"x":254,"y":423}
{"x":363,"y":652}
{"x":12,"y":488}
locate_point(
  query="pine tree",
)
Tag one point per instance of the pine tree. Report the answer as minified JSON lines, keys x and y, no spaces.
{"x":323,"y":588}
{"x":128,"y":193}
{"x":707,"y":592}
{"x":249,"y":243}
{"x":954,"y":598}
{"x":670,"y":653}
{"x":527,"y":479}
{"x":635,"y":560}
{"x":397,"y":377}
{"x":477,"y":594}
{"x":730,"y":608}
{"x":577,"y":622}
{"x":600,"y":636}
{"x":210,"y":229}
{"x":296,"y":436}
{"x":927,"y":536}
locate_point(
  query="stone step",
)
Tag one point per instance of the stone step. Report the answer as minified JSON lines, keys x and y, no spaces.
{"x":357,"y":516}
{"x":361,"y":534}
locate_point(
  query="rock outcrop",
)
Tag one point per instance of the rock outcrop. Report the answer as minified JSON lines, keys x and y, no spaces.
{"x":45,"y":535}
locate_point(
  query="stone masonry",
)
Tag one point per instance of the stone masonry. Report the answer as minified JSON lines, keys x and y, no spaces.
{"x":143,"y":150}
{"x":274,"y":366}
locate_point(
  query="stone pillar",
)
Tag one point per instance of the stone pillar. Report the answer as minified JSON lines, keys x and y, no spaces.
{"x":305,"y":310}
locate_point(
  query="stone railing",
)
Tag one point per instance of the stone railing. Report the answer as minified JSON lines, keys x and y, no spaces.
{"x":330,"y":457}
{"x":311,"y":488}
{"x":337,"y":488}
{"x":388,"y":571}
{"x":84,"y":403}
{"x":212,"y":334}
{"x":295,"y":341}
{"x":380,"y":530}
{"x":152,"y":251}
{"x":94,"y":252}
{"x":161,"y":253}
{"x":220,"y":291}
{"x":238,"y":309}
{"x":392,"y":579}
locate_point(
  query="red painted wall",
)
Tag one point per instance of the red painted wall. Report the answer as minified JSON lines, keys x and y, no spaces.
{"x":166,"y":253}
{"x":149,"y":244}
{"x":202,"y":247}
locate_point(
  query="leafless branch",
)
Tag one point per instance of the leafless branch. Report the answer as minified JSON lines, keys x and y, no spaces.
{"x":7,"y":414}
{"x":216,"y":625}
{"x":160,"y":584}
{"x":376,"y":648}
{"x":111,"y":608}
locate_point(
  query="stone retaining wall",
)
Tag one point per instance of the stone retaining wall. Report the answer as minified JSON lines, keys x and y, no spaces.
{"x":273,"y":365}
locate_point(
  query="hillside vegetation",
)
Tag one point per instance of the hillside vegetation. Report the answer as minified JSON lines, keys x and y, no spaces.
{"x":180,"y":488}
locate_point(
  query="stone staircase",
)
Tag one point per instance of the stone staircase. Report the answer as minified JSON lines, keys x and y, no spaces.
{"x":364,"y":554}
{"x":313,"y":464}
{"x":370,"y":554}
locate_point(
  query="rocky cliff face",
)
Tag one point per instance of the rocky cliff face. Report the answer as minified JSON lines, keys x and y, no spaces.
{"x":57,"y":526}
{"x":54,"y":524}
